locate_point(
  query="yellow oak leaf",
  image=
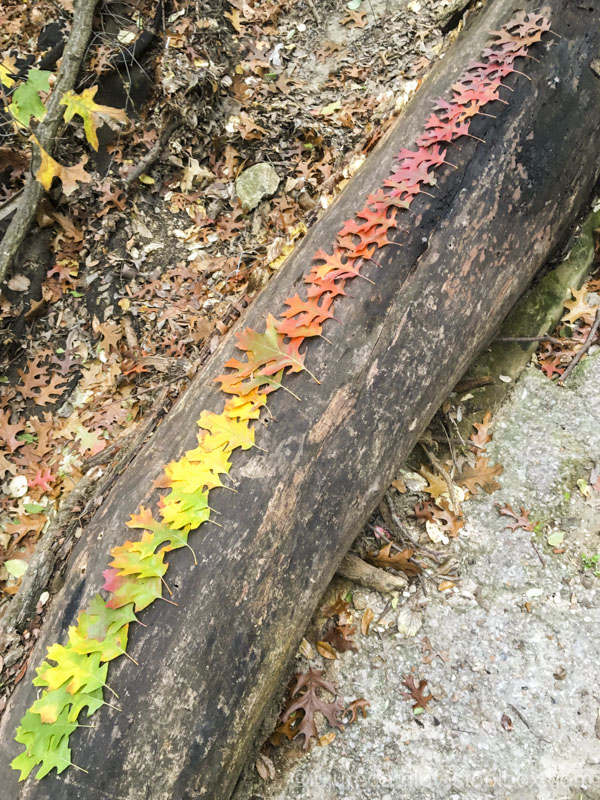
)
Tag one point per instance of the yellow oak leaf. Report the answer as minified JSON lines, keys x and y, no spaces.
{"x":7,"y":70}
{"x":229,"y":432}
{"x":68,"y":176}
{"x":90,"y":112}
{"x":247,"y":406}
{"x":191,"y":476}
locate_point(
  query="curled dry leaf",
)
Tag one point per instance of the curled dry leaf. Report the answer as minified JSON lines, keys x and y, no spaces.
{"x":306,"y":649}
{"x":327,"y":738}
{"x":356,"y":707}
{"x":326,"y":650}
{"x":367,"y":619}
{"x":265,"y":768}
{"x":506,"y":722}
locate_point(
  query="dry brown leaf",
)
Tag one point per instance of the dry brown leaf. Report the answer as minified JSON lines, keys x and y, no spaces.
{"x":265,"y":768}
{"x":578,"y":308}
{"x":482,"y":475}
{"x":356,"y":706}
{"x":416,"y":692}
{"x":327,"y":738}
{"x":400,"y":560}
{"x":522,"y":520}
{"x":483,"y":435}
{"x":340,"y":638}
{"x":436,"y":485}
{"x":367,"y":619}
{"x":326,"y":650}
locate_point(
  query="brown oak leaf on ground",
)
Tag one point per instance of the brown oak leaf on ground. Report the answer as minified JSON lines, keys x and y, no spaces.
{"x":483,"y":435}
{"x":304,"y":698}
{"x":436,"y":485}
{"x":340,"y":637}
{"x":429,"y":652}
{"x":522,"y":520}
{"x":416,"y":692}
{"x":357,"y":706}
{"x":339,"y":607}
{"x":482,"y":475}
{"x":447,"y":520}
{"x":400,"y":560}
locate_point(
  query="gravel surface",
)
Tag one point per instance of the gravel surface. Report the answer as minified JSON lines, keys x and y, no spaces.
{"x":521,"y":634}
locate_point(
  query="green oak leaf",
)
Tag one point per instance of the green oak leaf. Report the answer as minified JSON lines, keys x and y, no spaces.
{"x":26,"y":102}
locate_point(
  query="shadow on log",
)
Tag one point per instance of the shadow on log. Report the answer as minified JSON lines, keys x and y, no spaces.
{"x":209,"y":667}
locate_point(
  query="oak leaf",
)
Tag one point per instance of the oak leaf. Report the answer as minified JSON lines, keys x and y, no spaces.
{"x":483,"y":475}
{"x":76,"y":670}
{"x":304,"y":698}
{"x":126,"y":589}
{"x":340,"y":637}
{"x":47,"y":745}
{"x":90,"y":112}
{"x":521,"y":521}
{"x":482,"y":435}
{"x":357,"y":706}
{"x":578,"y":308}
{"x":68,"y":176}
{"x":400,"y":560}
{"x":436,"y":485}
{"x":416,"y":692}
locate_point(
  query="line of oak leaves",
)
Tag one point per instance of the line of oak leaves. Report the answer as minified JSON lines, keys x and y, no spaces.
{"x":73,"y":677}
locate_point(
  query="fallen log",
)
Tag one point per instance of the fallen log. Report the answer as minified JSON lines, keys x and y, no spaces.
{"x":209,"y":667}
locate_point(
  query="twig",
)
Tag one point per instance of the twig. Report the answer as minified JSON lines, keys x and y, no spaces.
{"x":142,"y":166}
{"x":537,"y":552}
{"x":551,"y":339}
{"x":527,"y":725}
{"x":391,"y":514}
{"x":582,"y":350}
{"x":314,"y":11}
{"x":47,"y":131}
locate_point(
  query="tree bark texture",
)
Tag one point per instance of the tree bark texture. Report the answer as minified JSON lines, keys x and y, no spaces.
{"x":209,"y":667}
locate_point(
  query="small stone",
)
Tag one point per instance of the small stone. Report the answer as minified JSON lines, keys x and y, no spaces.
{"x":256,"y":182}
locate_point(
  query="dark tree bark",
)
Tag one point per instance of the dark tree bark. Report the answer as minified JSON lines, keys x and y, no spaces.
{"x":210,"y":666}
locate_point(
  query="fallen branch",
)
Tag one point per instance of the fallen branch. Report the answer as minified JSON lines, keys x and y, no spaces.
{"x":146,"y":162}
{"x":355,"y":569}
{"x":47,"y":132}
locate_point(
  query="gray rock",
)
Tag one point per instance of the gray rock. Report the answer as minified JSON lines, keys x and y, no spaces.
{"x":256,"y":182}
